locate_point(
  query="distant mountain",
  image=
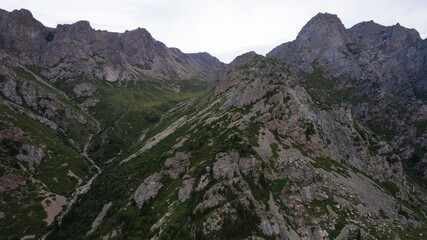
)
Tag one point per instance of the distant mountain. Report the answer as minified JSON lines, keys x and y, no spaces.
{"x":208,"y":61}
{"x":72,"y":50}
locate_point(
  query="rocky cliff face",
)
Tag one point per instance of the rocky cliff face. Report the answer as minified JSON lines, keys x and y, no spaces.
{"x":377,"y":71}
{"x":208,"y":61}
{"x":386,"y":39}
{"x":413,"y":58}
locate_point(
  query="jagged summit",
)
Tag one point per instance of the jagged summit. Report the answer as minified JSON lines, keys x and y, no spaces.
{"x":243,"y":59}
{"x":386,"y":39}
{"x":322,"y":39}
{"x":207,"y":60}
{"x":124,"y":56}
{"x":323,"y":25}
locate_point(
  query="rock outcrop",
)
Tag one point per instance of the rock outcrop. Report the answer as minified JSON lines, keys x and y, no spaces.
{"x":386,"y":39}
{"x":174,"y":167}
{"x":32,"y":96}
{"x":148,"y":189}
{"x":31,"y":155}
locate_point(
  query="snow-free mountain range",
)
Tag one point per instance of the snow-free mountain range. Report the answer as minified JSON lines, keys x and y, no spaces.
{"x":116,"y":136}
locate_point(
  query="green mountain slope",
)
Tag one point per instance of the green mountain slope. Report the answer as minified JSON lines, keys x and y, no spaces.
{"x":115,"y":136}
{"x":252,"y":157}
{"x":59,"y":138}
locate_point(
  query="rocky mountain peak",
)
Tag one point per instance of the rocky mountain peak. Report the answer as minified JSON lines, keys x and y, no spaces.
{"x":19,"y":30}
{"x":323,"y":39}
{"x":368,"y":27}
{"x":386,"y":39}
{"x":77,"y":49}
{"x":24,"y":13}
{"x":207,"y":60}
{"x":322,"y":26}
{"x":243,"y":59}
{"x":82,"y":25}
{"x":80,"y":31}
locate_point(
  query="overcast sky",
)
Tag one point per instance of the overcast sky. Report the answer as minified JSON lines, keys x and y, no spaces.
{"x":224,"y":28}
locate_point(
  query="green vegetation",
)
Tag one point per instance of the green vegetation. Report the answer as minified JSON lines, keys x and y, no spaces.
{"x":77,"y":131}
{"x":260,"y":193}
{"x":251,"y":63}
{"x":125,"y":112}
{"x":322,"y":90}
{"x":390,"y":187}
{"x":354,"y":48}
{"x":304,"y":151}
{"x":24,"y":215}
{"x":309,"y":130}
{"x":278,"y":186}
{"x":415,"y":174}
{"x":421,"y":127}
{"x":327,"y":92}
{"x":243,"y":225}
{"x":403,"y":212}
{"x":274,"y":147}
{"x":330,"y":166}
{"x":385,"y":129}
{"x":252,"y":133}
{"x":21,"y":219}
{"x":338,"y":227}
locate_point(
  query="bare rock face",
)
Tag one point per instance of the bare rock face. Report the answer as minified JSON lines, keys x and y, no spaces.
{"x":208,"y":61}
{"x":246,"y":94}
{"x":386,"y":39}
{"x":325,"y":45}
{"x":148,"y":189}
{"x":226,"y":165}
{"x":13,"y":133}
{"x":21,"y":32}
{"x":8,"y":90}
{"x":32,"y":96}
{"x":91,"y":102}
{"x":414,"y":60}
{"x":73,"y":50}
{"x":184,"y":192}
{"x":10,"y":182}
{"x":84,"y":90}
{"x":30,"y":154}
{"x":323,"y":39}
{"x":269,"y":229}
{"x":211,"y":198}
{"x":382,"y":69}
{"x":176,"y":165}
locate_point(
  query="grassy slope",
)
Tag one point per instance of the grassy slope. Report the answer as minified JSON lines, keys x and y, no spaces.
{"x":78,"y":132}
{"x":125,"y":112}
{"x":23,"y":212}
{"x":118,"y":183}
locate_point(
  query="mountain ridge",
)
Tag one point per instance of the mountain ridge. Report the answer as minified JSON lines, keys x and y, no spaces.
{"x":324,"y":138}
{"x":130,"y":54}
